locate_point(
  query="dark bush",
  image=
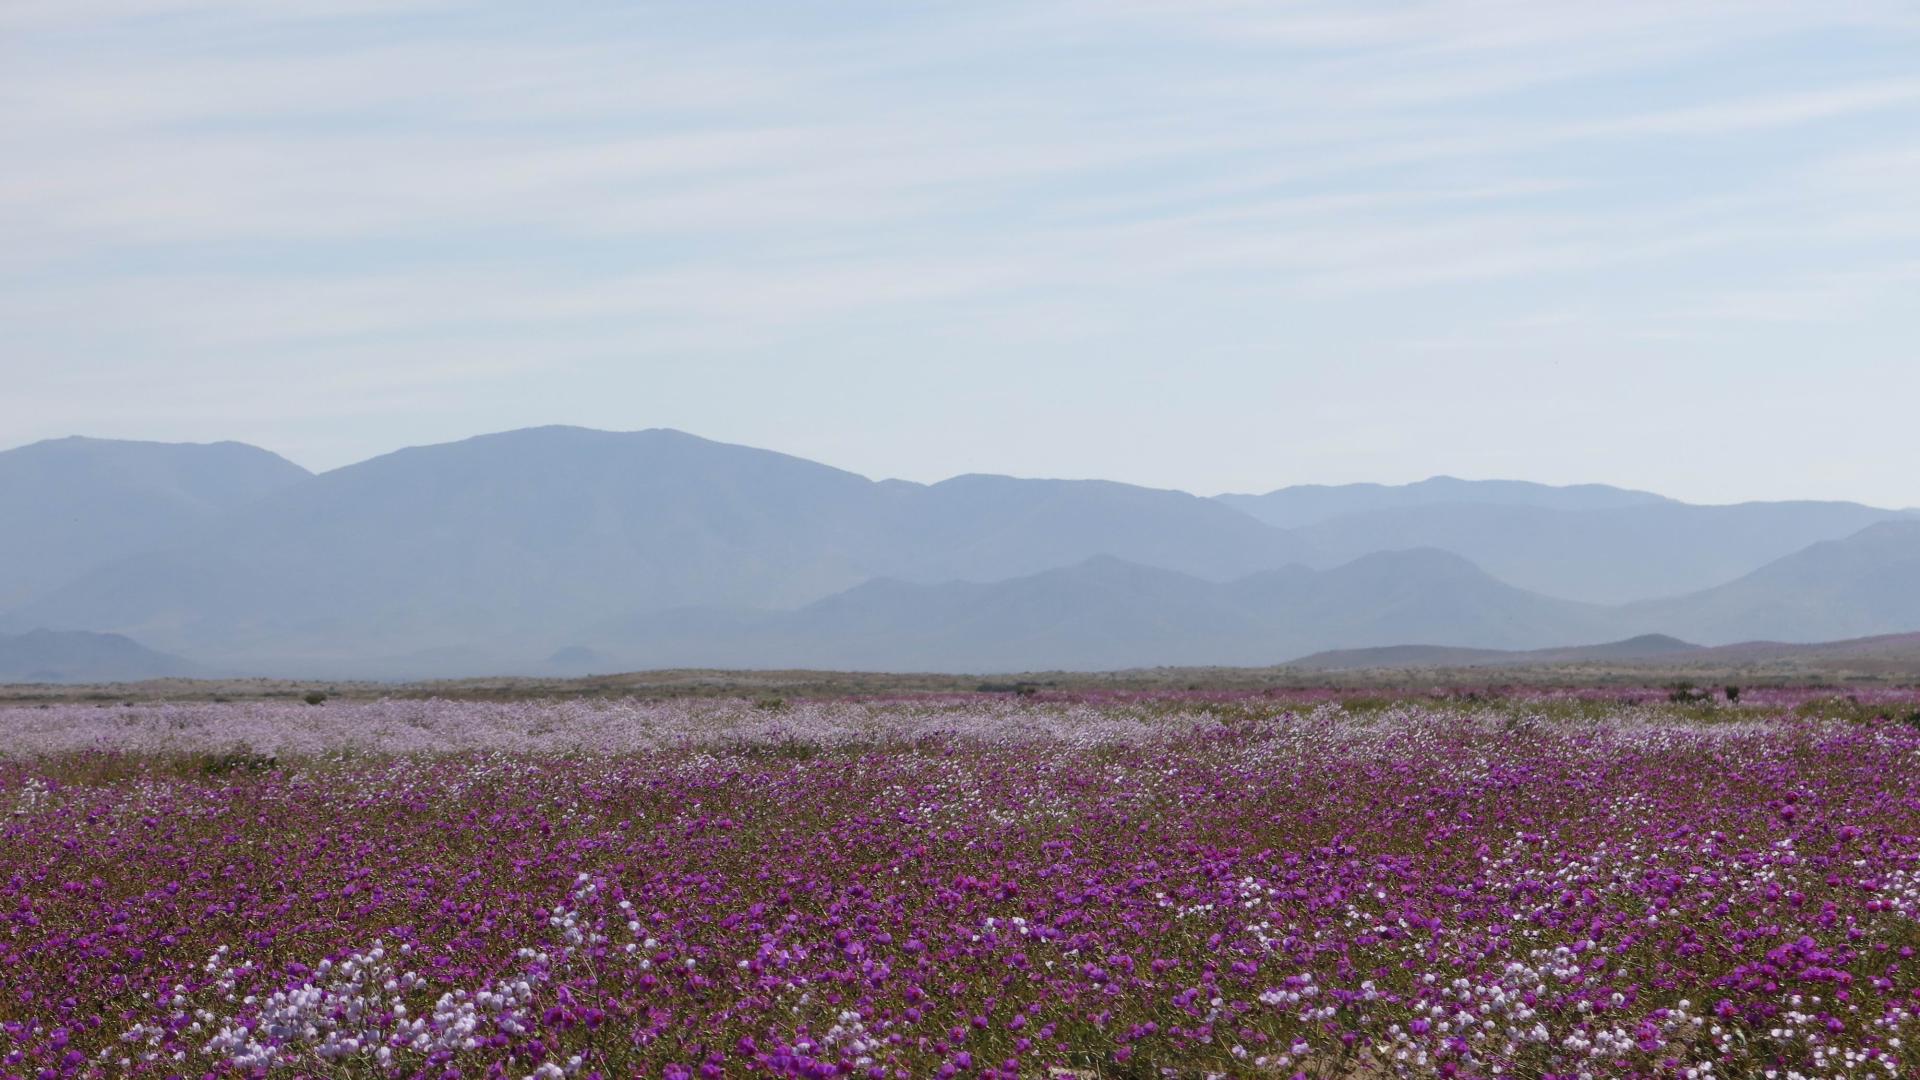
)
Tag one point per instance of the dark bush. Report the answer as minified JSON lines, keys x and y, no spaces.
{"x":1022,"y":689}
{"x":314,"y":697}
{"x":1684,"y":693}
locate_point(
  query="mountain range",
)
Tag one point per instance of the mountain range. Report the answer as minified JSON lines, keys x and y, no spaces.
{"x":1880,"y":656}
{"x":1104,"y":614}
{"x":73,"y":504}
{"x":564,"y":548}
{"x":1647,"y":648}
{"x":76,"y":656}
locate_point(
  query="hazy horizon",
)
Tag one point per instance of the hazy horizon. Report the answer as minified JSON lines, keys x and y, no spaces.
{"x":540,"y":549}
{"x":1208,"y":246}
{"x":934,"y":479}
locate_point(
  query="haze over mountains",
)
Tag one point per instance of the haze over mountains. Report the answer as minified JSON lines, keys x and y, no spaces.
{"x":1310,"y":504}
{"x":657,"y":548}
{"x":72,"y":504}
{"x":1589,"y":542}
{"x":47,"y":656}
{"x":1881,"y":656}
{"x":1105,"y":613}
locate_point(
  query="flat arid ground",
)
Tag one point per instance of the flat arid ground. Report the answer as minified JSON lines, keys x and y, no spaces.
{"x":1594,"y":882}
{"x":1871,"y":663}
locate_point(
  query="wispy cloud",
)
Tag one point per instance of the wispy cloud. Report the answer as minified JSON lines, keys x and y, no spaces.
{"x":230,"y":187}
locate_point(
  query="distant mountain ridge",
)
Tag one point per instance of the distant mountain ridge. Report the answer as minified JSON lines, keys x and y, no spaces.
{"x":1643,"y":647}
{"x":74,"y":503}
{"x":511,"y":542}
{"x":44,"y":656}
{"x":1878,"y":656}
{"x":1310,"y":504}
{"x":1614,"y":555}
{"x":571,"y":549}
{"x":1866,"y":584}
{"x":1105,"y":613}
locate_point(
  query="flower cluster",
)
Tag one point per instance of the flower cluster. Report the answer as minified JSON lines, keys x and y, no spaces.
{"x":1537,"y":888}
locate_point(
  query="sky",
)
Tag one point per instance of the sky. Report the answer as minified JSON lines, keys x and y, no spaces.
{"x":1206,"y":244}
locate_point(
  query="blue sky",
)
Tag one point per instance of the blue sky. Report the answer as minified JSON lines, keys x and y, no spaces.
{"x":1204,"y":244}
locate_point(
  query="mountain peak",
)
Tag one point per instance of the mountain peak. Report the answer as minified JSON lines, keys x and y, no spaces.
{"x":146,"y":450}
{"x":55,"y":656}
{"x":95,"y":500}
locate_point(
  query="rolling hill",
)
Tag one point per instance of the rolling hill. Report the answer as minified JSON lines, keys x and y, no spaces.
{"x":1610,"y":555}
{"x":1862,"y":585}
{"x":44,"y":656}
{"x":1645,"y":648}
{"x":72,"y":504}
{"x":1106,"y":613}
{"x":1886,"y":656}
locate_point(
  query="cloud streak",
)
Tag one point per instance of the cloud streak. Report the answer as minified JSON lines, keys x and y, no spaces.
{"x":227,"y":188}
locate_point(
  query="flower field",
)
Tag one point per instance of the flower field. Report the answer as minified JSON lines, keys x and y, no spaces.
{"x":981,"y":886}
